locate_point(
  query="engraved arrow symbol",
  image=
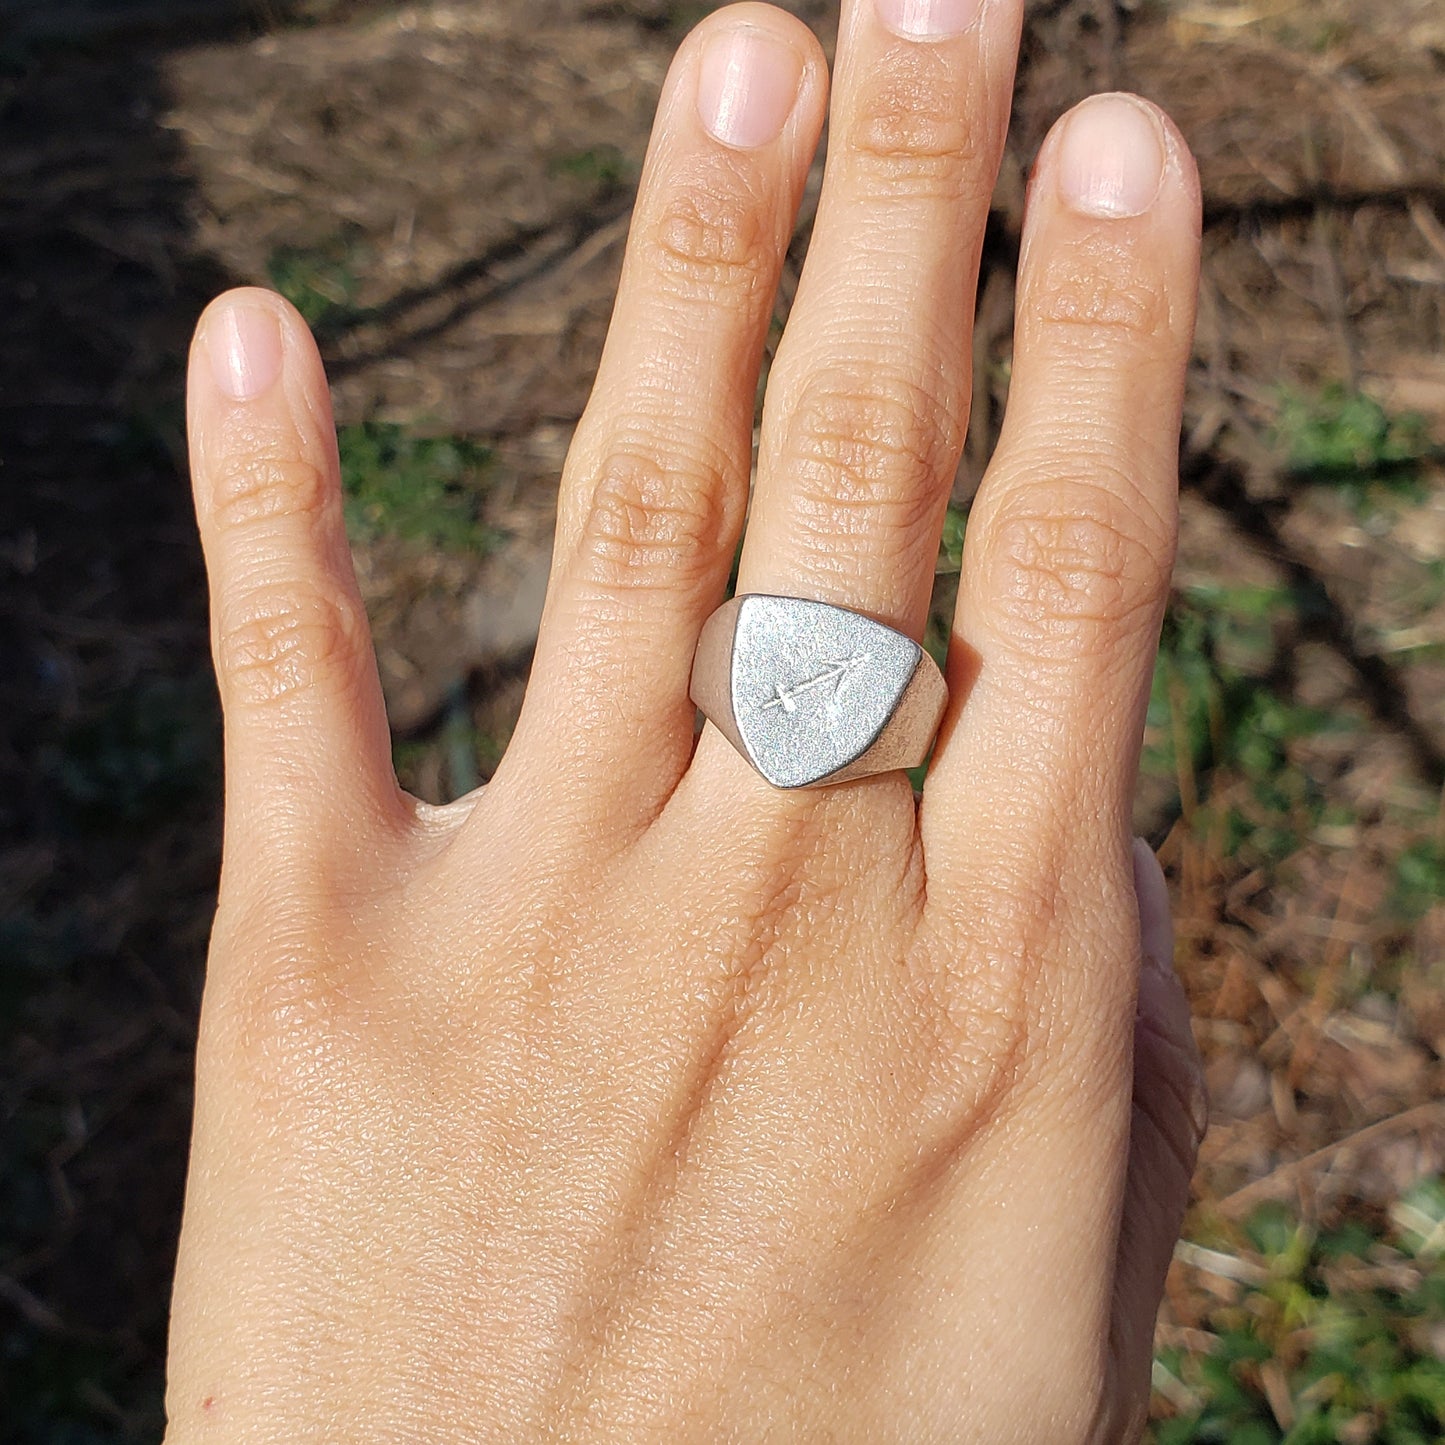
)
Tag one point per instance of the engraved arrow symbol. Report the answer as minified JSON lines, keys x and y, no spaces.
{"x":835,"y":673}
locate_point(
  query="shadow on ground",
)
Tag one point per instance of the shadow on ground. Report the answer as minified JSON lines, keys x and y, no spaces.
{"x":109,"y":732}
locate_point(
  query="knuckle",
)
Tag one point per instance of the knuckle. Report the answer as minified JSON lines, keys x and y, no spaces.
{"x":1099,"y":285}
{"x":1071,"y":567}
{"x":283,"y":641}
{"x":866,"y":452}
{"x":710,"y":233}
{"x":252,"y":488}
{"x":295,"y":1000}
{"x":912,"y":135}
{"x":651,"y":527}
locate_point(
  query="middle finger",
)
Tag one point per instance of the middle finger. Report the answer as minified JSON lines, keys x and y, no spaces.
{"x":868,"y":397}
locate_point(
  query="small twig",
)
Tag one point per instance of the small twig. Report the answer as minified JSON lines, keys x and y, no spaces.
{"x":1430,"y":1229}
{"x":1338,"y":947}
{"x":1276,"y":1392}
{"x":1173,"y":1389}
{"x":1278,"y":1184}
{"x":1428,"y":225}
{"x":30,"y":1307}
{"x":1220,"y":1264}
{"x":1334,"y":302}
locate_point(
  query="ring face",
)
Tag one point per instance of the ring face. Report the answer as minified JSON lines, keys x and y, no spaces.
{"x":810,"y":693}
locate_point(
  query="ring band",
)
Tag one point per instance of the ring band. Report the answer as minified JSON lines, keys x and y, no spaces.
{"x":812,"y":694}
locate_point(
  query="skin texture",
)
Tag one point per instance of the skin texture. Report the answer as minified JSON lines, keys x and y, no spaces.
{"x":628,"y":1098}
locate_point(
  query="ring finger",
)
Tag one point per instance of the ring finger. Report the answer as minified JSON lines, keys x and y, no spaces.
{"x":867,"y":399}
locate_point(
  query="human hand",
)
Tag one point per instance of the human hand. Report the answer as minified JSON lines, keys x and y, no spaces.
{"x":630,"y":1098}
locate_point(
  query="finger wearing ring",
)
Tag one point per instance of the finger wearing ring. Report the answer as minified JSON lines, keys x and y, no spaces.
{"x":867,"y":398}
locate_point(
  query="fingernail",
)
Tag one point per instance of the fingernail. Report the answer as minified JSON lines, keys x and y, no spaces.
{"x":1156,"y":930}
{"x":925,"y":19}
{"x":1111,"y":158}
{"x":244,"y":343}
{"x":746,"y":86}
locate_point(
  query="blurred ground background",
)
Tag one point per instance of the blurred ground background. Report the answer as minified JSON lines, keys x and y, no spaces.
{"x":444,"y":190}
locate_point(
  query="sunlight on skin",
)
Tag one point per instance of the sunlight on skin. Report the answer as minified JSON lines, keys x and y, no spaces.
{"x":630,"y":1098}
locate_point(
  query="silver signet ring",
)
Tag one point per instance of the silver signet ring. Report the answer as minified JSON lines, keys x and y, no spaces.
{"x":810,"y":694}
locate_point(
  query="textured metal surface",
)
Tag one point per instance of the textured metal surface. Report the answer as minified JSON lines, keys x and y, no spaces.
{"x":811,"y":693}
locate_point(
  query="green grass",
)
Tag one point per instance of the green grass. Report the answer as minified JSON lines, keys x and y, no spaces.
{"x":1322,"y":1337}
{"x":321,"y":282}
{"x":1213,"y":706}
{"x":426,"y":489}
{"x":1347,"y":440}
{"x":1420,"y":877}
{"x":603,"y":165}
{"x":950,"y":547}
{"x":1227,"y":730}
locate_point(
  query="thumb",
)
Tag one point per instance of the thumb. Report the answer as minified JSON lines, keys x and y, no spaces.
{"x":1170,"y":1113}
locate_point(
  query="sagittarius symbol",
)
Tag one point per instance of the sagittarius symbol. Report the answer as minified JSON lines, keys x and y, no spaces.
{"x":834,"y":674}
